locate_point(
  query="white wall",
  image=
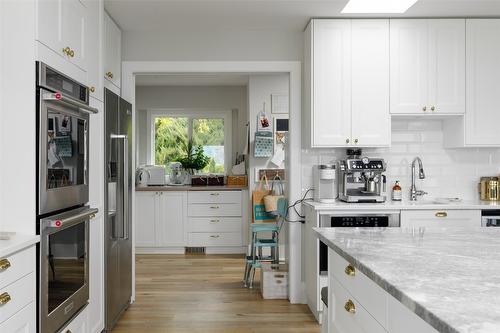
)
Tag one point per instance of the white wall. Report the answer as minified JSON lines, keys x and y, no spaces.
{"x":449,"y":172}
{"x":227,"y":44}
{"x":191,"y":97}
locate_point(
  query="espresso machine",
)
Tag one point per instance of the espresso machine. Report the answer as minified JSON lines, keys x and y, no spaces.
{"x":361,"y":179}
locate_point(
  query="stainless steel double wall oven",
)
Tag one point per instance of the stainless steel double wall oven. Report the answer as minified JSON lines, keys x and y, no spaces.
{"x":63,"y":114}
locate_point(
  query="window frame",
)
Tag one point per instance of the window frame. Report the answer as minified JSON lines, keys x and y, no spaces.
{"x":191,"y":114}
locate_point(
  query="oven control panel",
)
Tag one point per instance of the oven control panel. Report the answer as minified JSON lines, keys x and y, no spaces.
{"x":360,"y":221}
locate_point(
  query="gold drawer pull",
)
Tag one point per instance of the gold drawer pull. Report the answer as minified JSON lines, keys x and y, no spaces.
{"x":4,"y":264}
{"x":71,"y":53}
{"x":66,"y":50}
{"x":441,"y":214}
{"x":215,"y":193}
{"x":214,"y":221}
{"x":279,"y":276}
{"x":5,"y":298}
{"x":214,"y":207}
{"x":350,"y":307}
{"x":350,"y":270}
{"x":214,"y":236}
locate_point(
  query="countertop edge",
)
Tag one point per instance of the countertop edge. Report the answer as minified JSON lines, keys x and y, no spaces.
{"x":189,"y":188}
{"x":339,"y":206}
{"x":16,"y":243}
{"x":408,"y":302}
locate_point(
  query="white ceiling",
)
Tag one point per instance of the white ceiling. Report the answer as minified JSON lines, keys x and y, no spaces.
{"x":192,"y":80}
{"x":284,"y":15}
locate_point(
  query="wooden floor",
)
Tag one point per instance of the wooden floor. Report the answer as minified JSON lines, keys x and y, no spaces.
{"x":204,"y":293}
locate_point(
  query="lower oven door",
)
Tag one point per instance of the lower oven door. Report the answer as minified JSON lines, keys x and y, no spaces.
{"x":64,"y":267}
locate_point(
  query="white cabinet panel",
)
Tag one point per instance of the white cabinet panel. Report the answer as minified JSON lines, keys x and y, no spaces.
{"x":214,"y":197}
{"x":172,"y":214}
{"x":401,"y":319}
{"x":215,"y":209}
{"x":409,"y":65}
{"x":447,"y":66}
{"x":22,"y":322}
{"x":215,"y":224}
{"x":483,"y":84}
{"x":371,"y":123}
{"x":440,"y":218}
{"x":94,"y":44}
{"x":22,"y":293}
{"x":145,"y":218}
{"x":78,"y":324}
{"x":331,"y":66}
{"x":214,"y":239}
{"x":96,"y":285}
{"x":112,"y":51}
{"x":21,"y":264}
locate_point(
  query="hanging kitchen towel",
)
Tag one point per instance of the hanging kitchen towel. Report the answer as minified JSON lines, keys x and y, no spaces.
{"x":263,"y":144}
{"x":259,"y":214}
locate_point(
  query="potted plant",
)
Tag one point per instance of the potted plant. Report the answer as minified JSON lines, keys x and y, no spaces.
{"x":194,"y":158}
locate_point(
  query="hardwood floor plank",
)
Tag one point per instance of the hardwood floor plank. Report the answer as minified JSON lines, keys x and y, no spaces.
{"x":204,"y":293}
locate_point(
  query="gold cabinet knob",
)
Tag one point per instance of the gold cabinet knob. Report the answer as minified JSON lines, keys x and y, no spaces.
{"x":66,"y":50}
{"x":214,"y":207}
{"x":350,"y":307}
{"x":424,"y":108}
{"x":441,"y":214}
{"x":350,"y":270}
{"x":5,"y":298}
{"x":214,"y":236}
{"x":433,"y":108}
{"x":71,"y":53}
{"x":355,"y":140}
{"x":68,"y":331}
{"x":109,"y":74}
{"x":4,"y":264}
{"x":347,"y":140}
{"x":92,"y":89}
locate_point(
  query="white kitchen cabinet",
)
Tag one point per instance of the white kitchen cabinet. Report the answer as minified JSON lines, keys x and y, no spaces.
{"x":112,"y":51}
{"x":62,"y":26}
{"x":96,"y":273}
{"x":22,"y":322}
{"x":427,"y":66}
{"x":440,"y":218}
{"x":479,"y":126}
{"x":78,"y":324}
{"x":146,"y":204}
{"x":94,"y":42}
{"x":346,"y":93}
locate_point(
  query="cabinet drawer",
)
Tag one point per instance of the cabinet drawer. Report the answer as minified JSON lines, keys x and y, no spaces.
{"x":21,"y":292}
{"x":214,"y":209}
{"x":360,"y":321}
{"x":364,"y":290}
{"x":440,"y":218}
{"x":215,"y":224}
{"x":21,"y":263}
{"x":214,"y":239}
{"x":214,"y":197}
{"x":22,"y":322}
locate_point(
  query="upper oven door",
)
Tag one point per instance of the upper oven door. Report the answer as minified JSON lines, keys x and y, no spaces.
{"x":63,"y":152}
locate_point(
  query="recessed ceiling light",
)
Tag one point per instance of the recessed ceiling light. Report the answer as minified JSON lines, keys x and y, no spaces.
{"x":377,"y":6}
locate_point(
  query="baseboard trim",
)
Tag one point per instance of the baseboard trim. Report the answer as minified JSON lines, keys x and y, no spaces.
{"x":181,"y":250}
{"x":226,"y":250}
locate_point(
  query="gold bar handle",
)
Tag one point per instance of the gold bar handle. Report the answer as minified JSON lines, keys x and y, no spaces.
{"x":4,"y":264}
{"x":214,"y":221}
{"x":214,"y":236}
{"x":214,"y":207}
{"x":215,"y":193}
{"x":441,"y":214}
{"x":350,"y":270}
{"x":350,"y":307}
{"x":5,"y":298}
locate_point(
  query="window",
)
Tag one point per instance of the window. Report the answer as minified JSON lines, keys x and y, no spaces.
{"x":173,"y":130}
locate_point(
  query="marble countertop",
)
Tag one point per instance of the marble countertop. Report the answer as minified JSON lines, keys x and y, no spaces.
{"x":190,"y":188}
{"x":450,"y":277}
{"x":403,"y":205}
{"x":17,"y":242}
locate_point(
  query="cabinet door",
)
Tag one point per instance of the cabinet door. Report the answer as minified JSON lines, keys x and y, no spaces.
{"x":170,"y":223}
{"x":447,"y":66}
{"x":440,"y":218}
{"x":409,"y":68}
{"x":22,"y":322}
{"x":73,"y":31}
{"x":48,"y":29}
{"x":145,"y":218}
{"x":371,"y":123}
{"x":482,"y":83}
{"x":112,"y":51}
{"x":94,"y":45}
{"x":331,"y":112}
{"x":96,"y":293}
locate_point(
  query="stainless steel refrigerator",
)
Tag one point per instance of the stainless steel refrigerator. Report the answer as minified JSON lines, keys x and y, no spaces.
{"x":118,"y":190}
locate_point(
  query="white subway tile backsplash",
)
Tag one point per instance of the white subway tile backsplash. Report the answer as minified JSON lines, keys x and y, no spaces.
{"x":450,"y":172}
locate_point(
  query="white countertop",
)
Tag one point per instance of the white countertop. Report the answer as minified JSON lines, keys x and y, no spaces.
{"x":403,"y":205}
{"x":17,"y":242}
{"x":450,"y":277}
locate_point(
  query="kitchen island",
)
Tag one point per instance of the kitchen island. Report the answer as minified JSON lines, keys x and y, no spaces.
{"x":402,"y":280}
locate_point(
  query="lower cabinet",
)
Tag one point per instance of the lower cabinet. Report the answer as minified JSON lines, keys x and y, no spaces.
{"x":22,"y":322}
{"x":78,"y":324}
{"x":440,"y":218}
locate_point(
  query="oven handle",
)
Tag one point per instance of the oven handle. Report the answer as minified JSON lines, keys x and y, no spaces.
{"x":66,"y":222}
{"x":125,"y":226}
{"x":69,"y":101}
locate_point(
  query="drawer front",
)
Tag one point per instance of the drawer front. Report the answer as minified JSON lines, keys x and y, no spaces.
{"x":21,"y":292}
{"x":214,"y":210}
{"x":214,"y":197}
{"x":16,"y":266}
{"x":364,"y":290}
{"x":22,"y":322}
{"x":360,"y":321}
{"x":214,"y":239}
{"x":441,"y":218}
{"x":215,"y":224}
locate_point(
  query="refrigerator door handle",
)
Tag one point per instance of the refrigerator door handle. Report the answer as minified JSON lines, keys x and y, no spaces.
{"x":125,"y":226}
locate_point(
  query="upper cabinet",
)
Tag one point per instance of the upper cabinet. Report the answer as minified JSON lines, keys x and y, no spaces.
{"x":346,"y":97}
{"x":112,"y":51}
{"x":62,"y":27}
{"x":479,"y":127}
{"x":94,"y":42}
{"x":427,"y":61}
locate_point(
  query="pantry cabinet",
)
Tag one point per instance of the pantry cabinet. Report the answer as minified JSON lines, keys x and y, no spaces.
{"x":346,"y":93}
{"x":112,"y":51}
{"x":62,"y":27}
{"x":427,"y":58}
